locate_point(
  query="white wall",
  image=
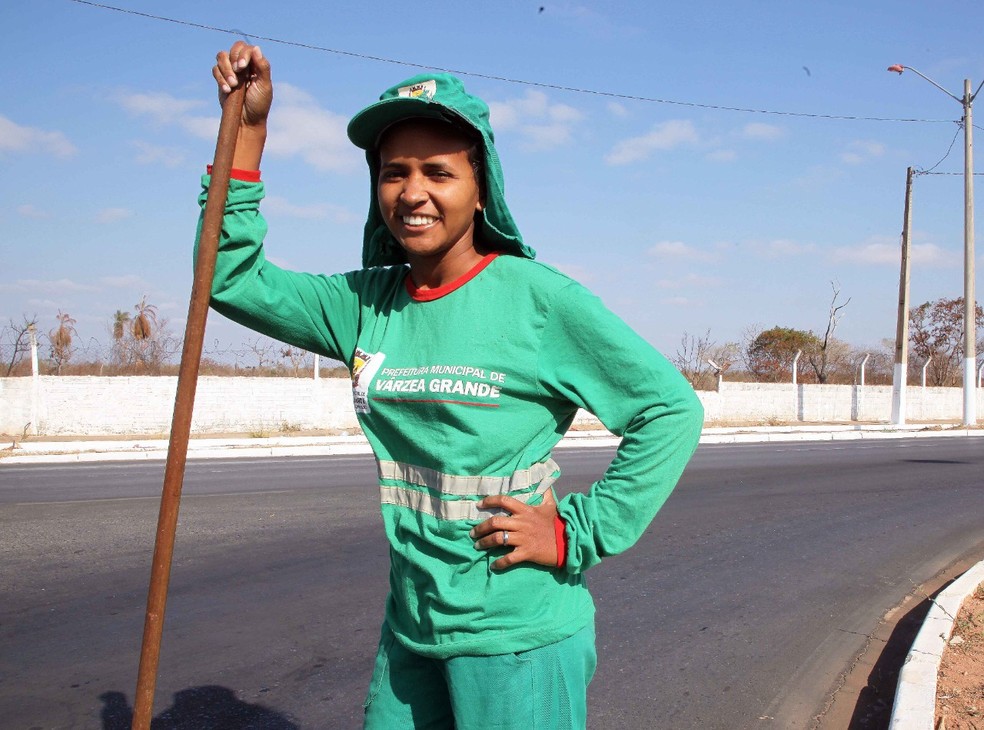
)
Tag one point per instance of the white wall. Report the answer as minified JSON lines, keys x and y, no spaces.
{"x":66,"y":405}
{"x":89,"y":406}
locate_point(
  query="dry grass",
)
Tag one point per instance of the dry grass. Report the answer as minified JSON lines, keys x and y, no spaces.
{"x":960,"y":686}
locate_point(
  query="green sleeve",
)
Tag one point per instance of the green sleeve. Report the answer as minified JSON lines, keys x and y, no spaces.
{"x":592,"y":358}
{"x":314,"y":312}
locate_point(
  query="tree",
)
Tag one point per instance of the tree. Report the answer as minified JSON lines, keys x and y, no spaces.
{"x":120,"y":321}
{"x":21,"y":340}
{"x":819,"y":355}
{"x":936,"y":332}
{"x":296,"y":357}
{"x":263,"y":350}
{"x":145,"y":321}
{"x":770,"y":355}
{"x":141,"y":344}
{"x":60,"y":339}
{"x":694,"y":357}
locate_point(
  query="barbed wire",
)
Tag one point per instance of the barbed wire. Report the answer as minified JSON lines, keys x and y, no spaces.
{"x":503,"y":79}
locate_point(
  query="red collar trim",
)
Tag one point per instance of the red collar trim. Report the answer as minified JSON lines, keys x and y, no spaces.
{"x":429,"y":295}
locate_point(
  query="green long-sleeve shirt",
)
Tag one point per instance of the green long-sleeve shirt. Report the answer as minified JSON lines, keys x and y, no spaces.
{"x":462,"y":393}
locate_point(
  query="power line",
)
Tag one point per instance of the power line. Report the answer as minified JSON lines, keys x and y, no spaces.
{"x":504,"y":79}
{"x":948,"y":150}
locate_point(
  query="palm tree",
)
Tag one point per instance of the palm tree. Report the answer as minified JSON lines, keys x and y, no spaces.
{"x":120,"y":320}
{"x":145,"y":321}
{"x":61,"y":339}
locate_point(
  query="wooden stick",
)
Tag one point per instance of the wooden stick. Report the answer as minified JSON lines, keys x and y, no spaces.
{"x":177,"y":452}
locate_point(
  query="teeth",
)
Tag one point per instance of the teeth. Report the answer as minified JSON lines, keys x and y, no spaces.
{"x":418,"y":220}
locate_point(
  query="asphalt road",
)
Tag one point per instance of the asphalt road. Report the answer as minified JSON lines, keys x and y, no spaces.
{"x":753,"y":589}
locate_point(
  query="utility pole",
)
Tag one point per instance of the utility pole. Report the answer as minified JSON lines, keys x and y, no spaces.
{"x":900,"y":376}
{"x":970,"y":301}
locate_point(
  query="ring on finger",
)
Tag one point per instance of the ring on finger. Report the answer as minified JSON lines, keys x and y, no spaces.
{"x":505,"y":537}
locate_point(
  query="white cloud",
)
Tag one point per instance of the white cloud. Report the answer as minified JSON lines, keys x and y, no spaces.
{"x":882,"y":252}
{"x":16,"y":138}
{"x":543,"y":125}
{"x":111,"y":215}
{"x":690,"y":281}
{"x":818,"y":177}
{"x":678,"y":250}
{"x":678,"y":301}
{"x":127,"y":281}
{"x":151,"y":154}
{"x":589,"y":19}
{"x":722,"y":156}
{"x":577,"y":272}
{"x":164,"y":109}
{"x":274,"y":205}
{"x":299,"y":127}
{"x":32,"y":211}
{"x":859,"y":151}
{"x":617,"y":110}
{"x":760,"y":130}
{"x":665,"y":136}
{"x":47,"y":286}
{"x":782,"y":248}
{"x":43,"y":304}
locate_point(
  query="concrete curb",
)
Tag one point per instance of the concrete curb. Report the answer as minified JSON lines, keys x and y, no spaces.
{"x":915,"y":697}
{"x":86,"y":450}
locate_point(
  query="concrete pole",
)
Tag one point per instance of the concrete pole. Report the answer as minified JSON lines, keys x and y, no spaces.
{"x":900,"y":375}
{"x":317,"y":365}
{"x":33,"y":333}
{"x":35,"y":379}
{"x":970,"y":301}
{"x":796,"y":394}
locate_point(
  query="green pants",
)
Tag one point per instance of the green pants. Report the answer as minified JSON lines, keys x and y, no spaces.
{"x":541,"y":688}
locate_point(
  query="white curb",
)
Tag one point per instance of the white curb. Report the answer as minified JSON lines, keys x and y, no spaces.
{"x":915,"y":697}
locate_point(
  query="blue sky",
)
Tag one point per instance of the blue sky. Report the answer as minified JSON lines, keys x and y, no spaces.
{"x":682,"y":217}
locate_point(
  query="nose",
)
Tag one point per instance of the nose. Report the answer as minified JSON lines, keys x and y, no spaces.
{"x":413,"y":192}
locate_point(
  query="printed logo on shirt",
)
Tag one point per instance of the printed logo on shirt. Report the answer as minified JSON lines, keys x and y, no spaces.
{"x":364,"y":368}
{"x":455,"y":384}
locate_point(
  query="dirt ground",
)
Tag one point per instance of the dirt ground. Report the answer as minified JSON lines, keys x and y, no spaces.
{"x":960,"y":686}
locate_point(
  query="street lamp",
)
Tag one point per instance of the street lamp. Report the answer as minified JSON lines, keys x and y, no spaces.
{"x":970,"y":334}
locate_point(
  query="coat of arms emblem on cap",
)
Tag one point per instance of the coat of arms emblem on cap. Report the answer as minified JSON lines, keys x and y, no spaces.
{"x":424,"y":90}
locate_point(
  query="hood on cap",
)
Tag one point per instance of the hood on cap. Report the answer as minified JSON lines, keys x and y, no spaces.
{"x":443,"y":97}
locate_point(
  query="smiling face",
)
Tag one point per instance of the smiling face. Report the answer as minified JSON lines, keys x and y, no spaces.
{"x":428,"y":195}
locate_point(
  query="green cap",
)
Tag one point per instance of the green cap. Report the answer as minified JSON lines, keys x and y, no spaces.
{"x":433,"y":96}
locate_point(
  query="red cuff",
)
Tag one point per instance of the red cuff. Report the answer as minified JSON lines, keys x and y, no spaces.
{"x":560,"y":533}
{"x":243,"y":175}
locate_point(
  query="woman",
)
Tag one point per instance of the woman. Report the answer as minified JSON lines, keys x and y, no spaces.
{"x":469,"y":361}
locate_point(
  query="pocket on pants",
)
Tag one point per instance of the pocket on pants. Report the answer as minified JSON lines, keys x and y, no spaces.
{"x":492,"y":692}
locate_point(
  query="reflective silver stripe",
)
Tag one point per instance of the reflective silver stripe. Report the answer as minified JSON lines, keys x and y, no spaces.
{"x":469,"y":486}
{"x":449,"y":509}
